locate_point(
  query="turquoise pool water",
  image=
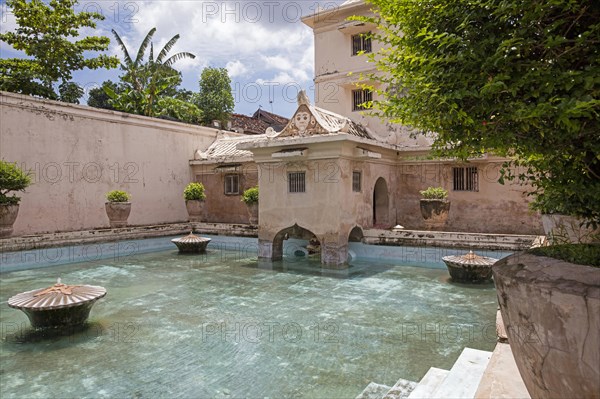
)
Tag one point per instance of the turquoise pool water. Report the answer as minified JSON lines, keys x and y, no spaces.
{"x":224,"y":325}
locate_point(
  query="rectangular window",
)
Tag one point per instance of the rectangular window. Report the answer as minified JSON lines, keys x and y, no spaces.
{"x":466,"y":179}
{"x":297,"y":182}
{"x":232,"y":184}
{"x":361,"y":42}
{"x":356,"y":180}
{"x":360,"y":98}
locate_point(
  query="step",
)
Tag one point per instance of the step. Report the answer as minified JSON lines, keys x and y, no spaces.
{"x":501,"y":378}
{"x":374,"y":391}
{"x":464,"y":376}
{"x":401,"y":389}
{"x":429,"y":383}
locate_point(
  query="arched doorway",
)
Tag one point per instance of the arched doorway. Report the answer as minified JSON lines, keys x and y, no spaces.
{"x":381,"y":217}
{"x":294,"y":231}
{"x":356,"y":235}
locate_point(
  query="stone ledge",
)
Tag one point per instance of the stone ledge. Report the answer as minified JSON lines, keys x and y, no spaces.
{"x":51,"y":240}
{"x":448,"y":239}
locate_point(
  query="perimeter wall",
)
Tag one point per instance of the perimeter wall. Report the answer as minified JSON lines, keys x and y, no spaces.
{"x":76,"y":154}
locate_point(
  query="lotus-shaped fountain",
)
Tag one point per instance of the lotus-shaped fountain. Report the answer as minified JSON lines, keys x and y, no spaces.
{"x":59,"y":306}
{"x":470,"y":268}
{"x":191,"y":243}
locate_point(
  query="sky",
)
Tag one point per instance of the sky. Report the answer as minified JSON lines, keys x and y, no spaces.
{"x":267,"y":50}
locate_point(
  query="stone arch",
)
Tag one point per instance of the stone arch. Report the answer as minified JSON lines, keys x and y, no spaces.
{"x":356,"y":234}
{"x":381,"y":201}
{"x":294,"y":231}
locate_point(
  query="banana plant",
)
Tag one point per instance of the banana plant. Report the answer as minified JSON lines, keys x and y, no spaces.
{"x":146,"y":82}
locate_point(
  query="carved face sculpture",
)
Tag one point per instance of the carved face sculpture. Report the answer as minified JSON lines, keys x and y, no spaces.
{"x":302,"y":120}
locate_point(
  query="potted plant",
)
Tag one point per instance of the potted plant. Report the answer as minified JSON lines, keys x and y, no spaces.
{"x":250,"y":198}
{"x":118,"y":208}
{"x":12,"y":178}
{"x":434,"y":207}
{"x":194,"y":201}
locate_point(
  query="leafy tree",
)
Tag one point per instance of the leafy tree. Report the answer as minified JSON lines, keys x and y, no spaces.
{"x":70,"y":92}
{"x":146,"y":82}
{"x":45,"y":34}
{"x":174,"y":108}
{"x":98,"y":98}
{"x":215,"y":98}
{"x":519,"y":78}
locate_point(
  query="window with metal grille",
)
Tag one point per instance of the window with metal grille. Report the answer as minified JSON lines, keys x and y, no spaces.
{"x":361,"y":42}
{"x":466,"y":179}
{"x":232,"y":184}
{"x":297,"y":182}
{"x":356,"y":181}
{"x":360,"y":98}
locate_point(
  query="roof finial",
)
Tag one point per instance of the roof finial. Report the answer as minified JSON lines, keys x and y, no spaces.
{"x":303,"y":98}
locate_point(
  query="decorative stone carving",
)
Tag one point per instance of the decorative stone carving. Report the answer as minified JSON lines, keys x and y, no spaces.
{"x":470,"y":268}
{"x":191,"y":243}
{"x":59,"y":306}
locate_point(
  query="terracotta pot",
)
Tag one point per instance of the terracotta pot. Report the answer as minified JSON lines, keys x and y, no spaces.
{"x":117,"y":213}
{"x":563,"y":229}
{"x":551,"y":311}
{"x":253,"y":213}
{"x":8,"y":215}
{"x":435,"y":212}
{"x":195,"y":209}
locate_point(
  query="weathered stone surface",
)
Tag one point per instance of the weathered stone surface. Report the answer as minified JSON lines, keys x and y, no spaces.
{"x":500,"y":329}
{"x":52,"y":240}
{"x":117,"y":213}
{"x":451,"y":239}
{"x":374,"y":391}
{"x":195,"y":209}
{"x":435,"y":212}
{"x":551,"y":310}
{"x":501,"y":378}
{"x":265,"y":250}
{"x":191,"y":243}
{"x":561,"y":229}
{"x":8,"y":215}
{"x":470,"y":273}
{"x":58,"y":306}
{"x":334,"y":255}
{"x":253,"y":213}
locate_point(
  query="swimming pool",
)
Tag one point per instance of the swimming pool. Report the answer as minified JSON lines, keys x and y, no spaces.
{"x":225,"y":325}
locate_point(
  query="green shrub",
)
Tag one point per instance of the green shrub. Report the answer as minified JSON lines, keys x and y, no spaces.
{"x":194,"y":191}
{"x":12,"y":178}
{"x":434,"y":193}
{"x":117,"y":196}
{"x":581,"y":254}
{"x":250,"y":196}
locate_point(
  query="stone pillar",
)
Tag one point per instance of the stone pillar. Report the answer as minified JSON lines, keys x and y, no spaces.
{"x":334,"y":255}
{"x":267,"y":250}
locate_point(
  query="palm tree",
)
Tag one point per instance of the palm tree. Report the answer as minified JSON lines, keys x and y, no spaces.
{"x":149,"y":80}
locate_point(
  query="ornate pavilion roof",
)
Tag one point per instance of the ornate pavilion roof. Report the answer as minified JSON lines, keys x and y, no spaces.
{"x":309,"y":120}
{"x":224,"y":149}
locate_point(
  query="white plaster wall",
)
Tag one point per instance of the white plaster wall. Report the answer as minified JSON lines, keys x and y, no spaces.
{"x":79,"y":153}
{"x":329,"y":208}
{"x":338,"y":73}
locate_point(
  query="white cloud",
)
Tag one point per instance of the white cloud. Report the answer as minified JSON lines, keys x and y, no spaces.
{"x":236,"y":68}
{"x":256,"y":41}
{"x":281,"y":79}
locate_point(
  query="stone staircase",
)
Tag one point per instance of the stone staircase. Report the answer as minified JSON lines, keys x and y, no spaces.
{"x":461,"y":381}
